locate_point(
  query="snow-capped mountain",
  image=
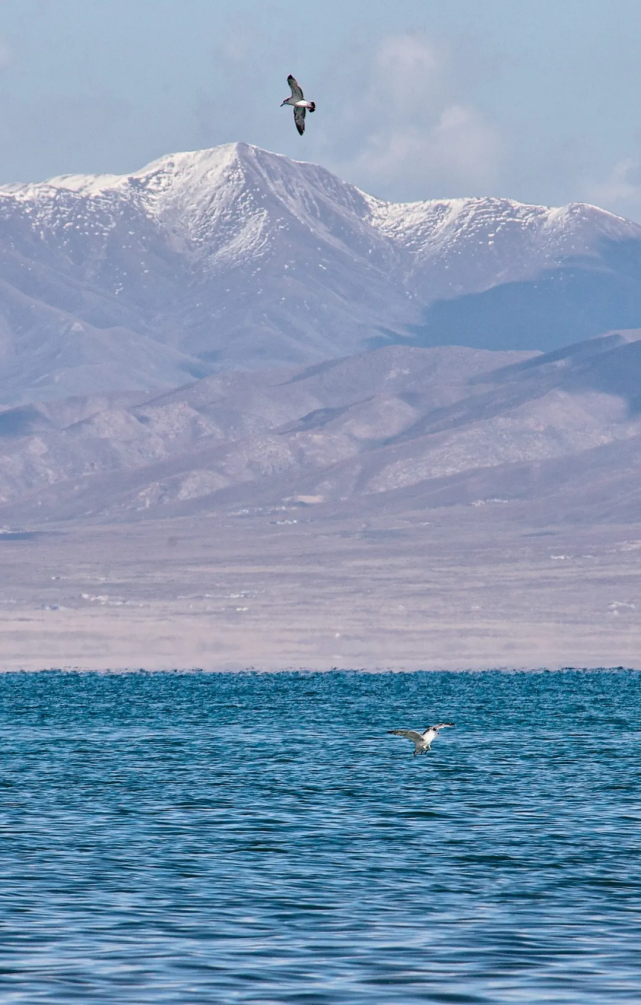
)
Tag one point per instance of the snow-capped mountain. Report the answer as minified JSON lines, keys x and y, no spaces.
{"x":236,"y":257}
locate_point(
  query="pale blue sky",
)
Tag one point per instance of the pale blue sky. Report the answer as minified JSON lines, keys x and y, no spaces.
{"x":539,"y":100}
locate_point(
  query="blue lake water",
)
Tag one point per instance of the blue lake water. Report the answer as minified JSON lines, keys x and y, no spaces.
{"x":192,"y":838}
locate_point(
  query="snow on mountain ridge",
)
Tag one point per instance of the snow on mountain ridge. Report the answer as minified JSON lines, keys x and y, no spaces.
{"x":517,"y":239}
{"x":235,"y":256}
{"x":193,"y":194}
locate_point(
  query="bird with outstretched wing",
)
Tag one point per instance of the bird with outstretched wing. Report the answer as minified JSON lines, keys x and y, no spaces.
{"x":422,"y":741}
{"x":297,"y":101}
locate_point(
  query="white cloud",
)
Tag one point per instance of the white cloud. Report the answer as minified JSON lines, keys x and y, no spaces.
{"x":621,"y":192}
{"x":410,"y":133}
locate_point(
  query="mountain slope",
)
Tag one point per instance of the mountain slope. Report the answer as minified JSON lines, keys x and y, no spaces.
{"x":236,"y":257}
{"x":434,"y":423}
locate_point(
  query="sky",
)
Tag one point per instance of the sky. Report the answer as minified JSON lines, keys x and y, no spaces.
{"x":538,"y":100}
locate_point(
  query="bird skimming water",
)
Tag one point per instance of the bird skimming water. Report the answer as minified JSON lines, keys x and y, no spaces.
{"x":297,"y":100}
{"x":422,"y":741}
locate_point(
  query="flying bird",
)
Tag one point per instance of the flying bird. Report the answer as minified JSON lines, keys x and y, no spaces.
{"x":422,"y":741}
{"x":297,"y":99}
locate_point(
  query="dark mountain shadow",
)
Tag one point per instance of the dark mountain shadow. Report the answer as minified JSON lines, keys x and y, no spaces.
{"x":610,"y":364}
{"x":565,"y":304}
{"x":558,"y":358}
{"x":616,"y":372}
{"x":317,"y":419}
{"x":21,"y":421}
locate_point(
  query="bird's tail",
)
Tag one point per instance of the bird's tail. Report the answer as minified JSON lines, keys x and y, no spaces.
{"x":312,"y":106}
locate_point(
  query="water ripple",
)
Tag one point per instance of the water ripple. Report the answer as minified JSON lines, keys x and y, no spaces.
{"x":191,"y":838}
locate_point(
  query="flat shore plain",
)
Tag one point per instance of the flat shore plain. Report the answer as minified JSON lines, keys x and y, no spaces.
{"x":362,"y":586}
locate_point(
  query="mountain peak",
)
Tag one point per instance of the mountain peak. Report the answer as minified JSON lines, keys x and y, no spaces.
{"x":237,"y":256}
{"x":197,"y":174}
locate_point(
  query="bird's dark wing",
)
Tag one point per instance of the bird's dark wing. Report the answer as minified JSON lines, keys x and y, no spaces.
{"x":299,"y":119}
{"x":440,"y":725}
{"x":409,"y":734}
{"x":297,"y":90}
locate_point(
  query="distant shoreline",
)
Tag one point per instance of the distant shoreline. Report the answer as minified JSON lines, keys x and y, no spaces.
{"x":115,"y":671}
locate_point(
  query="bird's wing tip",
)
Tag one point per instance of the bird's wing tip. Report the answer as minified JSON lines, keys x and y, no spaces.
{"x":299,"y":119}
{"x":297,"y":91}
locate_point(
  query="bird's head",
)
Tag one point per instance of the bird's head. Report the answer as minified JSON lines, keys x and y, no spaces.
{"x":285,"y":102}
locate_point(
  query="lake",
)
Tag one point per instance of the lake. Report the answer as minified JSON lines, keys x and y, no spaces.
{"x":202,"y":838}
